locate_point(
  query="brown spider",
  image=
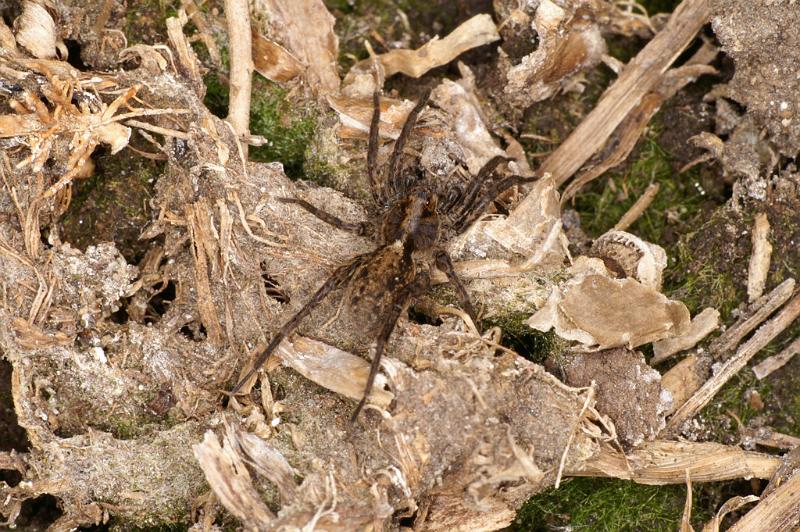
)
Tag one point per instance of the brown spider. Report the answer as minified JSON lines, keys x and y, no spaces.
{"x":414,"y":218}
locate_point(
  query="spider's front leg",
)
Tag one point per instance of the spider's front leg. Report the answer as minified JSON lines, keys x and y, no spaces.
{"x":361,"y":229}
{"x":471,"y":212}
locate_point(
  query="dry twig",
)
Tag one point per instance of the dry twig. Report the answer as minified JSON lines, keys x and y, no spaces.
{"x":237,"y":13}
{"x":760,"y":339}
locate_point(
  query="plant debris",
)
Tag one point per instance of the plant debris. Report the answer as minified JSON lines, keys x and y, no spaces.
{"x":119,"y":354}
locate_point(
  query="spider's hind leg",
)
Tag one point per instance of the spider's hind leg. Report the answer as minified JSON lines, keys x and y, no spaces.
{"x":337,"y":279}
{"x":445,"y":264}
{"x":414,"y":288}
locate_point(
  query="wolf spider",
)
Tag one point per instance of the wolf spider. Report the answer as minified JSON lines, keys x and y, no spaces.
{"x":414,"y":217}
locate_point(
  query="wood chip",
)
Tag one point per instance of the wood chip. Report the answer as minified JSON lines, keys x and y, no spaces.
{"x":760,"y":258}
{"x":702,"y":325}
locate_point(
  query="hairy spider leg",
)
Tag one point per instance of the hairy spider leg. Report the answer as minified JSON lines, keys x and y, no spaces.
{"x":474,"y":187}
{"x":415,"y":287}
{"x":360,"y":229}
{"x":394,"y":162}
{"x":445,"y":264}
{"x":339,"y":277}
{"x":372,"y":149}
{"x":472,"y":213}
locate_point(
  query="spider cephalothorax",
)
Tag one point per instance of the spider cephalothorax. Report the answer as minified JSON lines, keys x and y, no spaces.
{"x":414,"y":218}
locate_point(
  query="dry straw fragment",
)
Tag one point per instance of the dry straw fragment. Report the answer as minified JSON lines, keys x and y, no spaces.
{"x":759,"y":259}
{"x":702,"y":325}
{"x":36,"y":31}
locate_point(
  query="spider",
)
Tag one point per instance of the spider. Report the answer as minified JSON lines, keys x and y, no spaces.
{"x":414,"y":218}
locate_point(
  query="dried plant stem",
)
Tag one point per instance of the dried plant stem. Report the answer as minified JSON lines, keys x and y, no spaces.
{"x":768,"y":438}
{"x":638,"y":208}
{"x":754,"y":316}
{"x":237,"y":13}
{"x":772,"y":363}
{"x":759,"y":340}
{"x":663,"y":462}
{"x":779,"y":511}
{"x":760,"y":258}
{"x":640,"y":76}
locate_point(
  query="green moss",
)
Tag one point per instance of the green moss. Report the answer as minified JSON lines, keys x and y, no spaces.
{"x":679,"y":199}
{"x":530,"y":343}
{"x":702,"y":286}
{"x":113,"y":204}
{"x":287,"y":127}
{"x":604,"y":504}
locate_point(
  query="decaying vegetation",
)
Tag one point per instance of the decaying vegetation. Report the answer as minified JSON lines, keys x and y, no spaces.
{"x":640,"y":303}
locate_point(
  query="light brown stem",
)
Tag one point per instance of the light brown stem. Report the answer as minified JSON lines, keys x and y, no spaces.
{"x":640,"y":76}
{"x":638,"y":208}
{"x":237,"y":13}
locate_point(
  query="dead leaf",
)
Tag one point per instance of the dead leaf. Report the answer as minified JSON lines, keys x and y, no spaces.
{"x":305,"y":29}
{"x":355,"y":114}
{"x":601,"y":312}
{"x":273,"y":61}
{"x":36,"y":31}
{"x":477,"y":31}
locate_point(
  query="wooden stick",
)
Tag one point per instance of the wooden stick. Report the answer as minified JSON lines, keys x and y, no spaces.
{"x":237,"y":13}
{"x":641,"y":75}
{"x":755,"y":314}
{"x":759,"y":340}
{"x":767,"y":437}
{"x":774,"y":362}
{"x":759,"y":258}
{"x":638,"y":208}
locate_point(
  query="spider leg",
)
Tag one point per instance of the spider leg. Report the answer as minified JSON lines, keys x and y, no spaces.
{"x":415,"y":287}
{"x":399,"y":145}
{"x":358,"y":229}
{"x":474,"y":187}
{"x":445,"y":264}
{"x":469,"y":215}
{"x":339,"y":277}
{"x":372,"y":150}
